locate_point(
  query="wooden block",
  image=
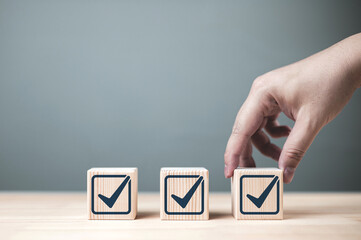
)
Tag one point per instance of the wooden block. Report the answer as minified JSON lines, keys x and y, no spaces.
{"x":257,"y":193}
{"x":112,"y":193}
{"x":184,"y":194}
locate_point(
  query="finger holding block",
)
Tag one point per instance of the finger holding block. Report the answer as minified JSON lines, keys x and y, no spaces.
{"x":184,"y":194}
{"x":112,"y":193}
{"x":257,"y":193}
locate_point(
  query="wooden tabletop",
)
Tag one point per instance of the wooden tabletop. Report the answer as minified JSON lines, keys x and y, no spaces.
{"x":63,"y":216}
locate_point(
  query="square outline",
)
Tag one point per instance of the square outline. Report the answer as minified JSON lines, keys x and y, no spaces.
{"x":110,"y":176}
{"x":259,"y":213}
{"x":165,"y":195}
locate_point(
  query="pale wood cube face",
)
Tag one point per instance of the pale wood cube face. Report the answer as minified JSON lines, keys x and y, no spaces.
{"x":112,"y":193}
{"x":257,"y":193}
{"x":184,"y":194}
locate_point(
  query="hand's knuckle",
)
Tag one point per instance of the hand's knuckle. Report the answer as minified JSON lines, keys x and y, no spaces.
{"x":238,"y":131}
{"x":259,"y":83}
{"x":263,"y":81}
{"x":294,"y":154}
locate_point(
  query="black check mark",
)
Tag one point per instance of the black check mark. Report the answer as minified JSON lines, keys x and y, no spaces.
{"x":259,"y":201}
{"x":110,"y":201}
{"x":183,"y":202}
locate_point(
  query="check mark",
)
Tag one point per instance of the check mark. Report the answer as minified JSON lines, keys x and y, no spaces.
{"x":259,"y":201}
{"x":183,"y":202}
{"x":110,"y":201}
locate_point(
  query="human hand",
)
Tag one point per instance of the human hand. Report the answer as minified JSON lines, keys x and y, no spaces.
{"x":311,"y":92}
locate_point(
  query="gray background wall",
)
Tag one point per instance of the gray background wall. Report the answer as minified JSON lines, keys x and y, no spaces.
{"x":156,"y":83}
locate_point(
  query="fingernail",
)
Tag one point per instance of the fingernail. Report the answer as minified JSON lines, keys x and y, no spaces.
{"x":288,"y":174}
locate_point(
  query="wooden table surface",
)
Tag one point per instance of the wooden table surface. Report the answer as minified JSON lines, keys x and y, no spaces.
{"x":63,"y":216}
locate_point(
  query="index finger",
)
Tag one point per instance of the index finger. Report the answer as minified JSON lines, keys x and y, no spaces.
{"x":249,"y":119}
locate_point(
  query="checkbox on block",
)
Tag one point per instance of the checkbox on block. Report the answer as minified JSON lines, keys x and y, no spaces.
{"x":184,"y":193}
{"x":112,"y":193}
{"x":257,"y":193}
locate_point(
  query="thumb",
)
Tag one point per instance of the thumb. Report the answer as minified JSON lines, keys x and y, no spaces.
{"x":297,"y":143}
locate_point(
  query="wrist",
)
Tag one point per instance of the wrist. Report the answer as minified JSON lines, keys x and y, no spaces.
{"x":350,"y":52}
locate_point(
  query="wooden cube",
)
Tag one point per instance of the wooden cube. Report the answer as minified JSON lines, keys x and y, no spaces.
{"x":257,"y":193}
{"x":112,"y":193}
{"x":184,"y":194}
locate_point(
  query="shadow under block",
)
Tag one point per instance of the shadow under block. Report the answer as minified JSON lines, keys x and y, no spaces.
{"x":257,"y":193}
{"x":184,"y":194}
{"x":112,"y":193}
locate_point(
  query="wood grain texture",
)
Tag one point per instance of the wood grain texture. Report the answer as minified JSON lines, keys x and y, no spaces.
{"x":105,"y":183}
{"x":198,"y":205}
{"x":272,"y":207}
{"x":63,"y":215}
